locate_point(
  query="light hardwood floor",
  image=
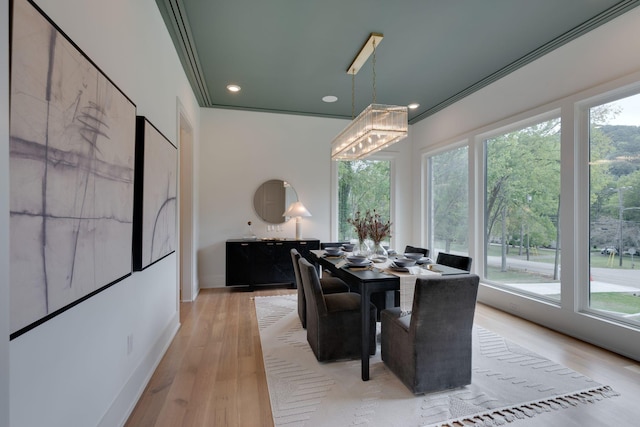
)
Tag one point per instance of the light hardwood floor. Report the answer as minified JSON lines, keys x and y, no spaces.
{"x":213,"y":375}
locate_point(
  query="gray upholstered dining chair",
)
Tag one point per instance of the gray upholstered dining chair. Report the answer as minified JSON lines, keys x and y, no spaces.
{"x":455,"y":261}
{"x":333,"y":321}
{"x":430,"y":349}
{"x":329,"y":285}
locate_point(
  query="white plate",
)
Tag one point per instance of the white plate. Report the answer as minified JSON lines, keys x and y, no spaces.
{"x":362,"y":264}
{"x":394,"y":267}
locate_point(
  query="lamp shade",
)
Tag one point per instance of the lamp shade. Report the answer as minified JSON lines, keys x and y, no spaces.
{"x":296,"y":209}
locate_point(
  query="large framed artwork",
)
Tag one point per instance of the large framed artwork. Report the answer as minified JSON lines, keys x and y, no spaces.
{"x":72,"y":149}
{"x":156,"y":192}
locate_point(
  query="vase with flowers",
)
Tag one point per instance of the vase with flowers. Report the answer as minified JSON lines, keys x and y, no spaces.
{"x":378,"y":230}
{"x":359,"y":222}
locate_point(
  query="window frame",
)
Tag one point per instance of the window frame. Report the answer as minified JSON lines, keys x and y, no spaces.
{"x":582,"y":285}
{"x":426,"y":208}
{"x":481,"y":141}
{"x":382,"y":156}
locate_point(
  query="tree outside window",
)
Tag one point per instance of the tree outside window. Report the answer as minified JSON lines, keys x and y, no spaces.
{"x":362,"y":185}
{"x":522,"y":207}
{"x":614,"y":208}
{"x":448,"y":218}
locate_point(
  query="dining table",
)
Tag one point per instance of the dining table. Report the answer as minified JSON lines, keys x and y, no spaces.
{"x":379,"y":276}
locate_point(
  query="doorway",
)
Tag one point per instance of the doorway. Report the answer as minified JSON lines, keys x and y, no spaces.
{"x":187,"y":291}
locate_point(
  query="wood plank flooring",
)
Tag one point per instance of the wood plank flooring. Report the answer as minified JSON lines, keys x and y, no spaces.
{"x":213,"y":375}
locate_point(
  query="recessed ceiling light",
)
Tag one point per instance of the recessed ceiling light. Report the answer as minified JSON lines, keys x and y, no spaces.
{"x":233,"y":88}
{"x":413,"y":106}
{"x":329,"y":98}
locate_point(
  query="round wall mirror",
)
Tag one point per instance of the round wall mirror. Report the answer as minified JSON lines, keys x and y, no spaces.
{"x":272,"y":198}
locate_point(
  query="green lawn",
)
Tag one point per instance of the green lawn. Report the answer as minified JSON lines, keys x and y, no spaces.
{"x":599,"y":260}
{"x":516,"y":276}
{"x":615,"y":302}
{"x":548,"y":256}
{"x":618,"y":302}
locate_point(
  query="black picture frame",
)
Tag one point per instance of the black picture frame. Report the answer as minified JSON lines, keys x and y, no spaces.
{"x":156,"y":196}
{"x":72,"y":152}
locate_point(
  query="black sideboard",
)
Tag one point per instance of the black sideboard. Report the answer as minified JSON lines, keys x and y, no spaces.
{"x":262,"y":262}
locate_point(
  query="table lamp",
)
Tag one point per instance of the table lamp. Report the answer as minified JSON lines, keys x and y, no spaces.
{"x":297,"y":210}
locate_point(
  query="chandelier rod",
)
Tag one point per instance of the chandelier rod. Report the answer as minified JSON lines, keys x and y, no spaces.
{"x":353,"y":96}
{"x":374,"y":71}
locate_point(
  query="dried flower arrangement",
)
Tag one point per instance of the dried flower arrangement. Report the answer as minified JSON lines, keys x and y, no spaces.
{"x":370,"y":225}
{"x":378,"y":230}
{"x":359,"y":222}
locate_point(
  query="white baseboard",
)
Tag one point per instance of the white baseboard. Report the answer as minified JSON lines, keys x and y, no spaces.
{"x":123,"y":404}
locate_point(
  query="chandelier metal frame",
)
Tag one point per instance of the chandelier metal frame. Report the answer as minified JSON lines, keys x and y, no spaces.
{"x":378,"y":126}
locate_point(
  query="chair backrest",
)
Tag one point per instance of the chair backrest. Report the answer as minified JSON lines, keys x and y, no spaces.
{"x":316,"y":305}
{"x":324,"y":245}
{"x":414,"y":249}
{"x":302,"y":300}
{"x":455,"y":261}
{"x":295,"y":256}
{"x":443,"y":310}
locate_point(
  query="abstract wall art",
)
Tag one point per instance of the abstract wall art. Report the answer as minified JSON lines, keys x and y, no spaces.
{"x":156,"y":192}
{"x":72,"y":149}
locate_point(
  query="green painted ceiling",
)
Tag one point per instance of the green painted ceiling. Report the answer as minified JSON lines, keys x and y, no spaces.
{"x":287,"y":54}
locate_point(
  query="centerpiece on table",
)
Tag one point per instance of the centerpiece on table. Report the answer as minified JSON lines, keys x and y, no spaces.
{"x":370,"y":225}
{"x":378,"y":230}
{"x":359,"y":222}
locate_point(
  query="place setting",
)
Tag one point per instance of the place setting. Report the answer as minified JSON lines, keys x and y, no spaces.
{"x":413,"y":263}
{"x":341,"y":251}
{"x":403,"y":265}
{"x":410,"y":262}
{"x":356,"y":262}
{"x":334,"y":252}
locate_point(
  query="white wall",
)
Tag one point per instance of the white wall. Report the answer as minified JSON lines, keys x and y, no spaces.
{"x":74,"y":370}
{"x":604,"y":54}
{"x":595,"y":62}
{"x":4,"y":215}
{"x":239,"y":150}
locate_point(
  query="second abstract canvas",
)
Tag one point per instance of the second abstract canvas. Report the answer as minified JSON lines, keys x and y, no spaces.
{"x":155,"y":208}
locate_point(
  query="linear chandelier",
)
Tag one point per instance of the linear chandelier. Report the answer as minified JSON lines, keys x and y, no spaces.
{"x":377,"y":126}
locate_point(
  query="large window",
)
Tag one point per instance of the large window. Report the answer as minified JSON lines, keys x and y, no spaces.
{"x":614,"y":190}
{"x":522,"y":206}
{"x":449,"y":202}
{"x":519,"y":194}
{"x":363,"y":185}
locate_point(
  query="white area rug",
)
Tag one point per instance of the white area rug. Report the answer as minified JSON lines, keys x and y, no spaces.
{"x":508,"y":382}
